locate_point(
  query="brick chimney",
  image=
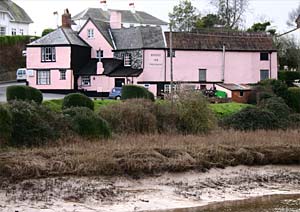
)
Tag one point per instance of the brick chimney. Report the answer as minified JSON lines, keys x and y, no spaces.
{"x":66,"y":20}
{"x":115,"y":20}
{"x":132,"y":7}
{"x":103,"y":5}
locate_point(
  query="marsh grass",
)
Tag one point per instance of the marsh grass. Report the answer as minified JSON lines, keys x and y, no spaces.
{"x":139,"y":155}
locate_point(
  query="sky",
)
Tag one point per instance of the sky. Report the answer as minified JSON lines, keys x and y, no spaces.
{"x":41,"y":11}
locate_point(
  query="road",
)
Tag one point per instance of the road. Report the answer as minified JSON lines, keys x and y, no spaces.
{"x":3,"y":86}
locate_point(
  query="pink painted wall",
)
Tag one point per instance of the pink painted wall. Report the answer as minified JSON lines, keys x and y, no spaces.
{"x":97,"y":42}
{"x":55,"y":82}
{"x":63,"y":58}
{"x":98,"y":83}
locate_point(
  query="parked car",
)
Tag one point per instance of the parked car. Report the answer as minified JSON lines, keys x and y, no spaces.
{"x":21,"y":74}
{"x":115,"y":93}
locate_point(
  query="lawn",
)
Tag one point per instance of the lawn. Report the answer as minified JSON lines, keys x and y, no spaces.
{"x":227,"y":109}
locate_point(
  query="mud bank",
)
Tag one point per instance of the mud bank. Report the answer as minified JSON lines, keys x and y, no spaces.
{"x":167,"y":191}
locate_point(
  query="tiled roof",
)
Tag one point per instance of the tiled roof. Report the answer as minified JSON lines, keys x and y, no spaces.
{"x":138,"y":37}
{"x":115,"y":68}
{"x":103,"y":27}
{"x":61,"y":36}
{"x":127,"y":16}
{"x":18,"y":14}
{"x":89,"y":69}
{"x":233,"y":41}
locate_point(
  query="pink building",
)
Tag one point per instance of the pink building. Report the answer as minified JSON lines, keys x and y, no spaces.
{"x":104,"y":55}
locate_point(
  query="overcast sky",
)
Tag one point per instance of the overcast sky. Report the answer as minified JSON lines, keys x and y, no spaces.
{"x":41,"y":11}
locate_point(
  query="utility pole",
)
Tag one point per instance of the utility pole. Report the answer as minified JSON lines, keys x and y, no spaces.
{"x":171,"y":64}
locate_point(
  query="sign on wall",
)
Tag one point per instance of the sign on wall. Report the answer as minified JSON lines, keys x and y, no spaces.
{"x":156,"y":60}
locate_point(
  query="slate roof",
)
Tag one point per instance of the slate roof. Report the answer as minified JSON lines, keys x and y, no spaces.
{"x":18,"y":14}
{"x":61,"y":36}
{"x":234,"y":41}
{"x":127,"y":16}
{"x":89,"y":69}
{"x":138,"y":37}
{"x":115,"y":68}
{"x":103,"y":27}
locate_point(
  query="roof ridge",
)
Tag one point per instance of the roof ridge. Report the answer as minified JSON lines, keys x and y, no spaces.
{"x":62,"y":29}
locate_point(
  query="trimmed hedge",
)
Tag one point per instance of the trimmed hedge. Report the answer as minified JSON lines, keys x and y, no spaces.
{"x":294,"y":99}
{"x":24,"y":93}
{"x":5,"y":124}
{"x":251,"y":118}
{"x":288,"y":76}
{"x":277,"y":106}
{"x":136,"y":92}
{"x":86,"y":123}
{"x":77,"y":100}
{"x":33,"y":124}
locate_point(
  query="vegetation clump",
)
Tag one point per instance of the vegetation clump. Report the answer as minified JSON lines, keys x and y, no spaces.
{"x":294,"y":99}
{"x":25,"y":93}
{"x":86,"y":123}
{"x":5,"y":124}
{"x":77,"y":100}
{"x":136,"y":92}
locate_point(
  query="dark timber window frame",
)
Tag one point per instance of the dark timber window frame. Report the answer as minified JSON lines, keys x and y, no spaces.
{"x":202,"y":75}
{"x":264,"y":74}
{"x":48,"y":54}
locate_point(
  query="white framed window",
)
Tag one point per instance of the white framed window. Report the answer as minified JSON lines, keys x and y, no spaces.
{"x":99,"y":54}
{"x":43,"y":77}
{"x":21,"y":31}
{"x":62,"y":73}
{"x":48,"y":54}
{"x":13,"y":31}
{"x":90,"y":33}
{"x":85,"y":80}
{"x":2,"y":30}
{"x":202,"y":75}
{"x":167,"y":88}
{"x":127,"y":59}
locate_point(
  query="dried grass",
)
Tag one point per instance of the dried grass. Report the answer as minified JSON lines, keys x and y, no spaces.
{"x":137,"y":155}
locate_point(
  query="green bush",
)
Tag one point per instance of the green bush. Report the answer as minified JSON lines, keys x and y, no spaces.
{"x":277,"y":106}
{"x":5,"y":124}
{"x":223,"y":110}
{"x":251,"y":118}
{"x":130,"y":116}
{"x":195,"y":116}
{"x":293,"y":99}
{"x":288,"y":76}
{"x":136,"y":92}
{"x":167,"y":117}
{"x":34,"y":125}
{"x":294,"y":121}
{"x":24,"y":93}
{"x":86,"y":123}
{"x":77,"y":100}
{"x":54,"y":104}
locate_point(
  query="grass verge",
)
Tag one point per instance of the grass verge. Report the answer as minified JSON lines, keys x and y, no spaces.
{"x":226,"y":109}
{"x":138,"y":155}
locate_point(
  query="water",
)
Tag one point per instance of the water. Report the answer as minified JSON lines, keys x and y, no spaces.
{"x":276,"y":203}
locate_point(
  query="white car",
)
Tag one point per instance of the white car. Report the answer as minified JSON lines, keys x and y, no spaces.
{"x":21,"y":74}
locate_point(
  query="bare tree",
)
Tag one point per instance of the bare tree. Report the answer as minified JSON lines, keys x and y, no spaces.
{"x":293,"y":15}
{"x":231,"y":12}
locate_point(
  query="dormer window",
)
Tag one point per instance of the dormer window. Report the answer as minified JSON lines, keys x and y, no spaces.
{"x":48,"y":54}
{"x":127,"y":59}
{"x":90,"y":33}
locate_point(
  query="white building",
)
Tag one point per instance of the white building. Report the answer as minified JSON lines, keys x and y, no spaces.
{"x":13,"y":19}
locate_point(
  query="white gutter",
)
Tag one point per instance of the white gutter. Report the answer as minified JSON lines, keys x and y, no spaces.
{"x":112,"y":39}
{"x":223,"y":63}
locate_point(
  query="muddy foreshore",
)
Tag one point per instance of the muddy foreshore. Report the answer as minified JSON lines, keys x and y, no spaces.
{"x":166,"y":191}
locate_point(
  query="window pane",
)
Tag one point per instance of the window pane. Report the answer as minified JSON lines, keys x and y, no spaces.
{"x":264,"y":56}
{"x":264,"y":74}
{"x":43,"y":77}
{"x":202,"y":74}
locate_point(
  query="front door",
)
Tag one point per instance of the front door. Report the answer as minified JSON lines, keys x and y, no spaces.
{"x":119,"y":82}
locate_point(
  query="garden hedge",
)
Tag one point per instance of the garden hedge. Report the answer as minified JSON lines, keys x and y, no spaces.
{"x":288,"y":76}
{"x":136,"y":92}
{"x":24,"y":93}
{"x":5,"y":124}
{"x":77,"y":100}
{"x":294,"y":98}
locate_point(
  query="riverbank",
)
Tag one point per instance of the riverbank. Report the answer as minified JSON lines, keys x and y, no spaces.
{"x":167,"y":191}
{"x":145,"y":155}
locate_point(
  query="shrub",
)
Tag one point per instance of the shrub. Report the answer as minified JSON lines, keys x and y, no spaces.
{"x":24,"y":93}
{"x":294,"y":99}
{"x":136,"y":92}
{"x":33,"y":124}
{"x":251,"y":118}
{"x":288,"y":76}
{"x":130,"y":116}
{"x":195,"y":115}
{"x":278,"y":87}
{"x":167,"y":117}
{"x":77,"y":100}
{"x":294,"y":121}
{"x":54,"y":104}
{"x":5,"y":124}
{"x":277,"y":106}
{"x":86,"y":123}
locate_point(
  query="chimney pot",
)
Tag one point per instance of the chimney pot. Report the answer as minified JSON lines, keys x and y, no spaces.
{"x":132,"y":7}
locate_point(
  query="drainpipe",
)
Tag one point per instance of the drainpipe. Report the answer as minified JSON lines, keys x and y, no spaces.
{"x":223,"y":63}
{"x":270,"y":55}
